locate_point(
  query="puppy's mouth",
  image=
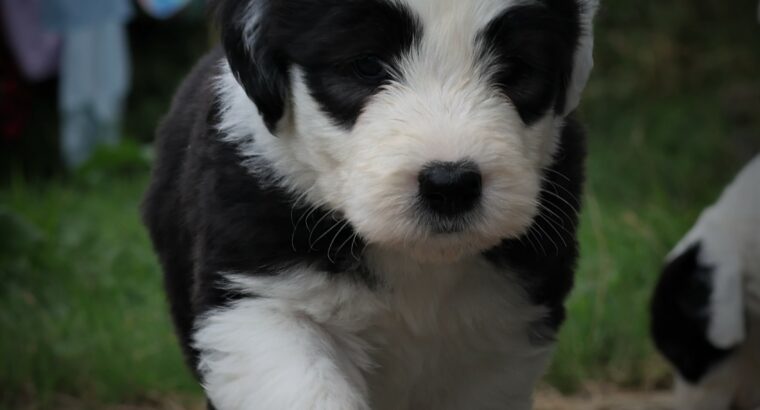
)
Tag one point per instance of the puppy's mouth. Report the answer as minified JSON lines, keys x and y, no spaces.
{"x":448,"y":226}
{"x":447,"y":229}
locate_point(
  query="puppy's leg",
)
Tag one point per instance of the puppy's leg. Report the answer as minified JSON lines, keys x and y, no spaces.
{"x":271,"y":352}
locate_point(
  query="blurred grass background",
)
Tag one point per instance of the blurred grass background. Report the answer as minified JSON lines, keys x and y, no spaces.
{"x":673,"y":111}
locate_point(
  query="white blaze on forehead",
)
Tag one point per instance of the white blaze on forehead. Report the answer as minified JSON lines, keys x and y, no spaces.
{"x":450,"y":28}
{"x":466,"y":15}
{"x":444,"y":99}
{"x":445,"y":102}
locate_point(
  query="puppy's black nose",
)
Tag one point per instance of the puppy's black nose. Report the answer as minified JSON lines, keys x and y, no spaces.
{"x":450,"y":188}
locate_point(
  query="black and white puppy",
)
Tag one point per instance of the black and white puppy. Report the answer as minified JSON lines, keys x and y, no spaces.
{"x":373,"y":203}
{"x":706,"y":308}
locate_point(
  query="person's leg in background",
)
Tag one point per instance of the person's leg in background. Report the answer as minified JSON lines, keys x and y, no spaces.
{"x":112,"y":71}
{"x":77,"y":136}
{"x":75,"y":96}
{"x":94,"y":82}
{"x":94,"y":72}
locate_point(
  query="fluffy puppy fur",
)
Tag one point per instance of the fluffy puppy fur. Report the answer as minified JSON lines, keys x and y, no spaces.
{"x":706,"y":308}
{"x":373,"y":203}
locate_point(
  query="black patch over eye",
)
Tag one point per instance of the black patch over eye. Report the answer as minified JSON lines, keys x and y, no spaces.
{"x":534,"y":46}
{"x":345,"y":48}
{"x":370,"y":69}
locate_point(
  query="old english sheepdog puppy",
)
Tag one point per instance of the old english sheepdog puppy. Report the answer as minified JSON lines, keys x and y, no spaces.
{"x":706,"y":308}
{"x":372,"y":204}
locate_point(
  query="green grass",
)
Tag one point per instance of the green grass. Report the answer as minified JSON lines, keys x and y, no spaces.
{"x":81,"y":308}
{"x":645,"y":188}
{"x":673,"y":111}
{"x":671,"y":114}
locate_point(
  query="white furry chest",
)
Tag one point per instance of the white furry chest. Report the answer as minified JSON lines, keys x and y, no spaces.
{"x":453,"y":336}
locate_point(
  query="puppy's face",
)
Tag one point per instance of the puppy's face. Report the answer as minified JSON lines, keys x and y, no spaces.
{"x":426,"y":123}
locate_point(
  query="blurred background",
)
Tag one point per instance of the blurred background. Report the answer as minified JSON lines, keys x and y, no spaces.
{"x":672,"y":110}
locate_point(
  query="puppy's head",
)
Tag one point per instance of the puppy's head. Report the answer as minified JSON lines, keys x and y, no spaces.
{"x":426,"y":123}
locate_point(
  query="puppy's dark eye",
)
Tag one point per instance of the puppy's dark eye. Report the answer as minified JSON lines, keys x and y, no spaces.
{"x":369,"y":68}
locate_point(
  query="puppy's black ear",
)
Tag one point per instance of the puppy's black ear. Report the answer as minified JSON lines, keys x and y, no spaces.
{"x":681,"y":313}
{"x":253,"y":58}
